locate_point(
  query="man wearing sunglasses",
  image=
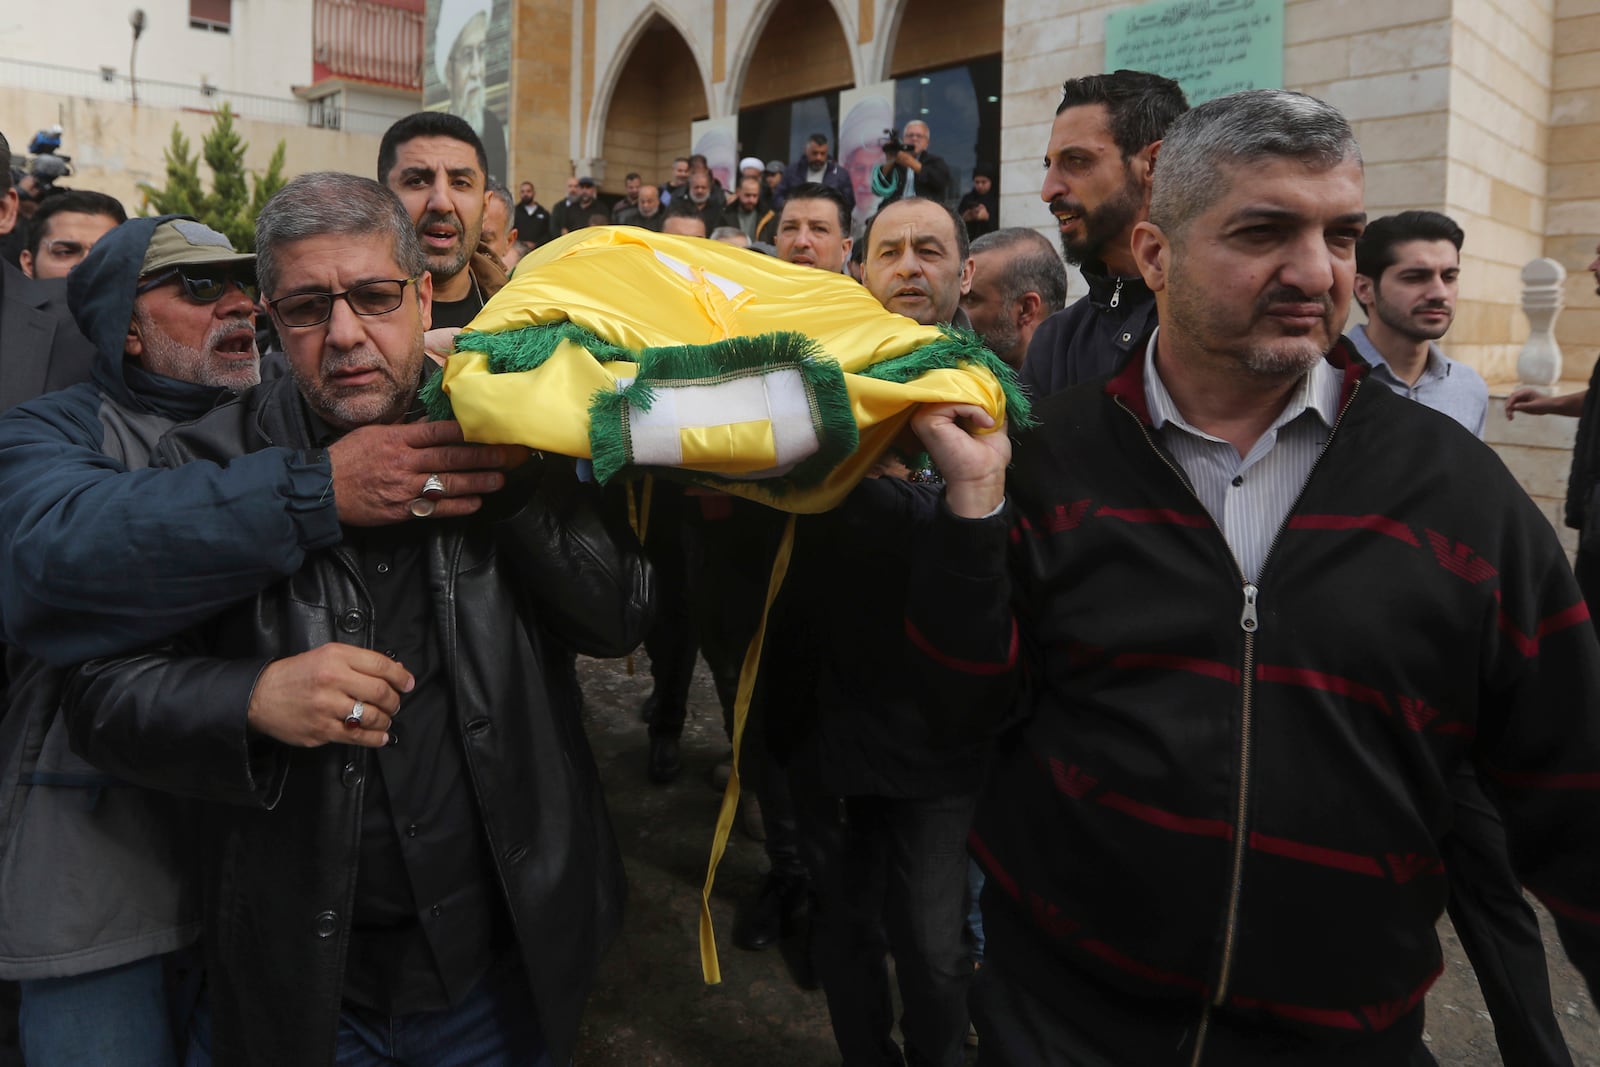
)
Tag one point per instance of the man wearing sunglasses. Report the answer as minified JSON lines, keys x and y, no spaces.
{"x":64,"y":228}
{"x":408,"y":855}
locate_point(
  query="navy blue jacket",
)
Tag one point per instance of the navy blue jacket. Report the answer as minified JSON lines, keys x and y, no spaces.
{"x":100,"y":559}
{"x":1090,"y":337}
{"x":834,"y":177}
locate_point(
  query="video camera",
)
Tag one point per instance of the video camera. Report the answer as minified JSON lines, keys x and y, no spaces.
{"x":892,"y":145}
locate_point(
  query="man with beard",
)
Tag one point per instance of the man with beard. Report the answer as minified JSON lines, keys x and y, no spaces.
{"x":498,"y":232}
{"x":406,"y":851}
{"x":1099,"y":163}
{"x":1257,"y":612}
{"x":532,"y":220}
{"x":1017,"y":283}
{"x":1408,"y":268}
{"x":558,"y":214}
{"x":745,"y":213}
{"x":647,"y":213}
{"x":435,"y":164}
{"x":460,"y":54}
{"x":630,"y":199}
{"x":813,"y":228}
{"x":582,"y":209}
{"x":699,"y":200}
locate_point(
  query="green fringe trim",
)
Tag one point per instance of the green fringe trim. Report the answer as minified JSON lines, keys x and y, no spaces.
{"x":736,"y":357}
{"x":521,"y":350}
{"x":956,"y":347}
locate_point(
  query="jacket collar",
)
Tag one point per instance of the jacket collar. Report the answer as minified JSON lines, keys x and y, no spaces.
{"x":1102,"y":284}
{"x":1127,"y":386}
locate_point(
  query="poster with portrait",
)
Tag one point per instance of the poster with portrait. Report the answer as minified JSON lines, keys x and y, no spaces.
{"x":466,"y":69}
{"x":718,"y":141}
{"x":866,"y":119}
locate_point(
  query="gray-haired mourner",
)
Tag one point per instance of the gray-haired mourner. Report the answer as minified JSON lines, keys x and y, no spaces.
{"x":402,"y":826}
{"x":1234,"y":659}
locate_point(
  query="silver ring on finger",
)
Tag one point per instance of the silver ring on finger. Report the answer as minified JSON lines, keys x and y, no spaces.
{"x":422,"y":507}
{"x":433,"y":487}
{"x":357,"y":713}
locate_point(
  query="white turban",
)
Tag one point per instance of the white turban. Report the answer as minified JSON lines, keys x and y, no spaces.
{"x":453,"y":18}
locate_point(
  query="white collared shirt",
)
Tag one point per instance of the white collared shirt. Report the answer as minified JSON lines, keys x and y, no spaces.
{"x":1249,"y":497}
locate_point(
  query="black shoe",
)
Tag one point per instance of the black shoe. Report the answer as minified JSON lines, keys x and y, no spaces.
{"x":665,"y":766}
{"x":777,"y":906}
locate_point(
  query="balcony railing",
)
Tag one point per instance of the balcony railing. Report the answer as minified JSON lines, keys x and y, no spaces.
{"x":108,"y":84}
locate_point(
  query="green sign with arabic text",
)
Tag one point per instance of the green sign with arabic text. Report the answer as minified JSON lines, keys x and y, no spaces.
{"x":1210,"y":47}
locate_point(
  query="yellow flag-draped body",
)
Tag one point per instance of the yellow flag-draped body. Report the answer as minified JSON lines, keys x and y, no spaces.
{"x":649,"y":351}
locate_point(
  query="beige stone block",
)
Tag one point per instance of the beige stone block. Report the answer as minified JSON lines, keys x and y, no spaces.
{"x":1575,"y":144}
{"x":1316,"y":62}
{"x":1491,"y":67}
{"x":1421,"y":182}
{"x":1575,"y":216}
{"x":1469,"y":190}
{"x":1575,"y":107}
{"x":1554,"y":433}
{"x":1578,"y":71}
{"x":1499,"y":115}
{"x":1513,"y":206}
{"x":1473,"y":144}
{"x":1573,"y":181}
{"x":1034,"y":72}
{"x":1407,"y":137}
{"x":1573,"y":252}
{"x":1041,"y":36}
{"x":1029,"y":107}
{"x":1316,"y":20}
{"x":1578,"y":330}
{"x":1524,"y":38}
{"x":1542,"y":472}
{"x":1385,"y":95}
{"x":1581,"y":34}
{"x":1482,"y":322}
{"x":1026,"y":142}
{"x":1568,"y":9}
{"x":1404,"y":48}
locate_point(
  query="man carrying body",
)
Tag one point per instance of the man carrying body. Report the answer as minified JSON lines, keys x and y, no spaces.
{"x":64,"y":228}
{"x":1099,"y":164}
{"x":435,"y":164}
{"x":813,"y":228}
{"x":1407,"y":270}
{"x":1582,"y":511}
{"x":815,"y":168}
{"x":883,"y":805}
{"x":1017,"y":283}
{"x":482,"y":899}
{"x":913,"y":170}
{"x":1258,"y":648}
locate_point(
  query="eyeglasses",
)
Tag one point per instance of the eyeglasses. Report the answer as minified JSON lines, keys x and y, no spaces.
{"x":313,"y":309}
{"x":62,"y":248}
{"x":201,"y":285}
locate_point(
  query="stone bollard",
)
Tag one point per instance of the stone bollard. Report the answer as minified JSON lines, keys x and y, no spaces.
{"x":1539,"y":363}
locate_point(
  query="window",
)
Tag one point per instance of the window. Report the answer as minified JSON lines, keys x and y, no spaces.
{"x":213,"y":15}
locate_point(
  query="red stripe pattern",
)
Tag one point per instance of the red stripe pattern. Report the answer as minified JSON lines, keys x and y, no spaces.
{"x":1381,"y":524}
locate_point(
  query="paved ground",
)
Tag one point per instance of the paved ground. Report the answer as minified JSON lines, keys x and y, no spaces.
{"x":651,"y":1008}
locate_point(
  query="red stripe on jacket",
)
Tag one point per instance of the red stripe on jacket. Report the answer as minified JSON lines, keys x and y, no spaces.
{"x":1376,"y":523}
{"x":964,"y":666}
{"x":1331,"y":683}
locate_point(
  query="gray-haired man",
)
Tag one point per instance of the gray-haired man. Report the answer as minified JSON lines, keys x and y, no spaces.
{"x":1018,"y":282}
{"x":403,"y":826}
{"x":1256,"y":649}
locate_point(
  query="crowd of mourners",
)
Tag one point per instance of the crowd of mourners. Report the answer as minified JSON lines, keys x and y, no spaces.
{"x":1157,"y":725}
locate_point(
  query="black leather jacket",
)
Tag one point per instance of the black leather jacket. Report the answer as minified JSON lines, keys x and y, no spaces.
{"x":513,"y":593}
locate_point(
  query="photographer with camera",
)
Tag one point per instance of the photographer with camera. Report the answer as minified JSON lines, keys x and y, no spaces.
{"x":909,"y":169}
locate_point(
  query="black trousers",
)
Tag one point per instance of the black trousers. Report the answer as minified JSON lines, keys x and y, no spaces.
{"x":890,"y":877}
{"x":1500,"y":932}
